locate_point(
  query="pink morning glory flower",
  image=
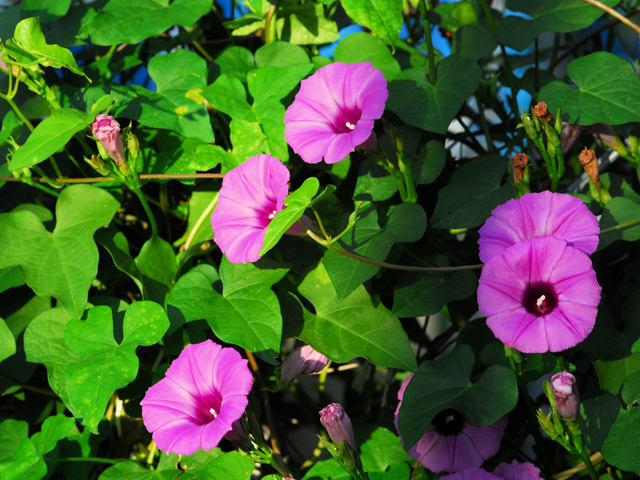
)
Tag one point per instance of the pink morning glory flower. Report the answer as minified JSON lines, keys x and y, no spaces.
{"x":471,"y":474}
{"x":204,"y":391}
{"x":302,"y":361}
{"x":517,"y":471}
{"x":334,"y":111}
{"x":539,"y":295}
{"x":539,"y":215}
{"x":338,"y":425}
{"x":251,"y":196}
{"x":452,"y":445}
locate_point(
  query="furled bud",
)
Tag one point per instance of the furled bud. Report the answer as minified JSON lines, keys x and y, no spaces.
{"x":590,"y":164}
{"x":107,"y":130}
{"x":338,"y":425}
{"x":303,"y":360}
{"x":542,"y":113}
{"x":520,"y":161}
{"x":529,"y":126}
{"x":566,"y":395}
{"x":133,"y":145}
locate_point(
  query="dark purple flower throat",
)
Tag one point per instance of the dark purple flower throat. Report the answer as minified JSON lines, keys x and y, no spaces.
{"x":448,"y":422}
{"x":540,"y":299}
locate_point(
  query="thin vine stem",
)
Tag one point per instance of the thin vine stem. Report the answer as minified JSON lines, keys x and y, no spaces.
{"x":200,"y":221}
{"x":424,"y":11}
{"x":614,"y":13}
{"x":390,"y":265}
{"x":86,"y":459}
{"x":148,"y":176}
{"x":621,"y":226}
{"x":147,"y":209}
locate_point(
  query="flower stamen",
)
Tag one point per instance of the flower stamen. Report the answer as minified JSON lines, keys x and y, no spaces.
{"x":271,"y":215}
{"x":214,"y":413}
{"x":350,"y":126}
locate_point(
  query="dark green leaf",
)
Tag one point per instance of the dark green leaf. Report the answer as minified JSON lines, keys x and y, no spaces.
{"x":47,"y":10}
{"x":114,"y":241}
{"x":620,"y":449}
{"x":616,"y":213}
{"x":433,"y":107}
{"x":296,"y":203}
{"x":10,"y":277}
{"x":305,"y":25}
{"x":364,"y":47}
{"x":406,"y":223}
{"x":631,"y":389}
{"x":596,"y":417}
{"x":63,"y":263}
{"x":7,"y":342}
{"x":612,"y":374}
{"x":131,"y":21}
{"x":608,"y":91}
{"x":354,"y":327}
{"x":50,"y":135}
{"x":472,"y":193}
{"x":516,"y":32}
{"x":452,"y":16}
{"x":559,"y":15}
{"x":106,"y":366}
{"x":374,"y":183}
{"x":383,"y":17}
{"x":426,"y":294}
{"x":474,"y":41}
{"x":445,"y":383}
{"x":246,"y":314}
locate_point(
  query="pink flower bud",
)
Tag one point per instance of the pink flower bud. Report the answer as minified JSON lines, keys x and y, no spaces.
{"x":107,"y":130}
{"x":566,"y":395}
{"x":338,"y":424}
{"x":304,"y":360}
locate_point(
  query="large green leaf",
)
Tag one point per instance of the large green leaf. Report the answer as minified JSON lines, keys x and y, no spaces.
{"x":131,"y":21}
{"x":559,"y":15}
{"x":426,"y":294}
{"x":444,"y":383}
{"x":247,"y":313}
{"x":44,"y":343}
{"x":596,"y":417}
{"x":267,"y":85}
{"x":50,"y":135}
{"x":406,"y":222}
{"x":19,"y":459}
{"x":157,"y":266}
{"x":53,"y":430}
{"x":46,"y":10}
{"x":63,"y":263}
{"x":383,"y":17}
{"x":30,"y":38}
{"x":617,"y":212}
{"x":7,"y":341}
{"x":305,"y":25}
{"x":363,"y":47}
{"x":608,"y":91}
{"x":620,"y":449}
{"x":354,"y":327}
{"x":433,"y":107}
{"x":178,"y":104}
{"x":612,"y":374}
{"x":106,"y":365}
{"x":296,"y":203}
{"x":326,"y":470}
{"x":381,"y":450}
{"x":472,"y":193}
{"x":230,"y":466}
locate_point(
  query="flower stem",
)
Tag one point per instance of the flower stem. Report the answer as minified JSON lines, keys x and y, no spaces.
{"x":200,"y":221}
{"x":147,"y":209}
{"x":588,"y":464}
{"x":390,"y":265}
{"x":86,"y":459}
{"x":18,"y":111}
{"x":615,"y":14}
{"x":621,"y":226}
{"x":424,"y":11}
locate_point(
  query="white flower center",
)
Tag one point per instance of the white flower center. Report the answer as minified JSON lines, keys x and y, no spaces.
{"x":213,"y":412}
{"x":541,"y":300}
{"x":271,"y":215}
{"x":350,"y":126}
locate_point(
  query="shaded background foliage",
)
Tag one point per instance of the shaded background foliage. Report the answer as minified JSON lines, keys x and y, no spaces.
{"x":205,"y":85}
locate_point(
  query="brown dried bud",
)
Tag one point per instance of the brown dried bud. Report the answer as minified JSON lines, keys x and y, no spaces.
{"x":520,"y":161}
{"x":542,"y":112}
{"x":590,"y":164}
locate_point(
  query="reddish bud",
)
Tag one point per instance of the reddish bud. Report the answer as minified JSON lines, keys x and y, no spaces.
{"x":542,"y":113}
{"x":107,"y":130}
{"x":520,"y":161}
{"x":338,"y":424}
{"x":565,"y":393}
{"x":590,"y":164}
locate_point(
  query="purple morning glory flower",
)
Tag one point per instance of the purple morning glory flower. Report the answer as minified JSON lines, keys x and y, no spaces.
{"x":251,"y":195}
{"x":539,"y":215}
{"x":471,"y":474}
{"x":204,"y":391}
{"x":334,"y":111}
{"x":452,"y":445}
{"x":302,"y":361}
{"x":517,"y":471}
{"x":338,"y":425}
{"x":539,"y":295}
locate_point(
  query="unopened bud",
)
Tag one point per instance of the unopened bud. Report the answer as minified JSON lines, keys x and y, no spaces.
{"x":338,"y":425}
{"x":566,"y":395}
{"x":558,"y":124}
{"x":97,"y":164}
{"x":107,"y":131}
{"x":529,"y":126}
{"x":542,"y":113}
{"x":590,"y":164}
{"x":302,"y":361}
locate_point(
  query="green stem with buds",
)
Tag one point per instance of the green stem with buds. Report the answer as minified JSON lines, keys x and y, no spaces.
{"x":424,"y":11}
